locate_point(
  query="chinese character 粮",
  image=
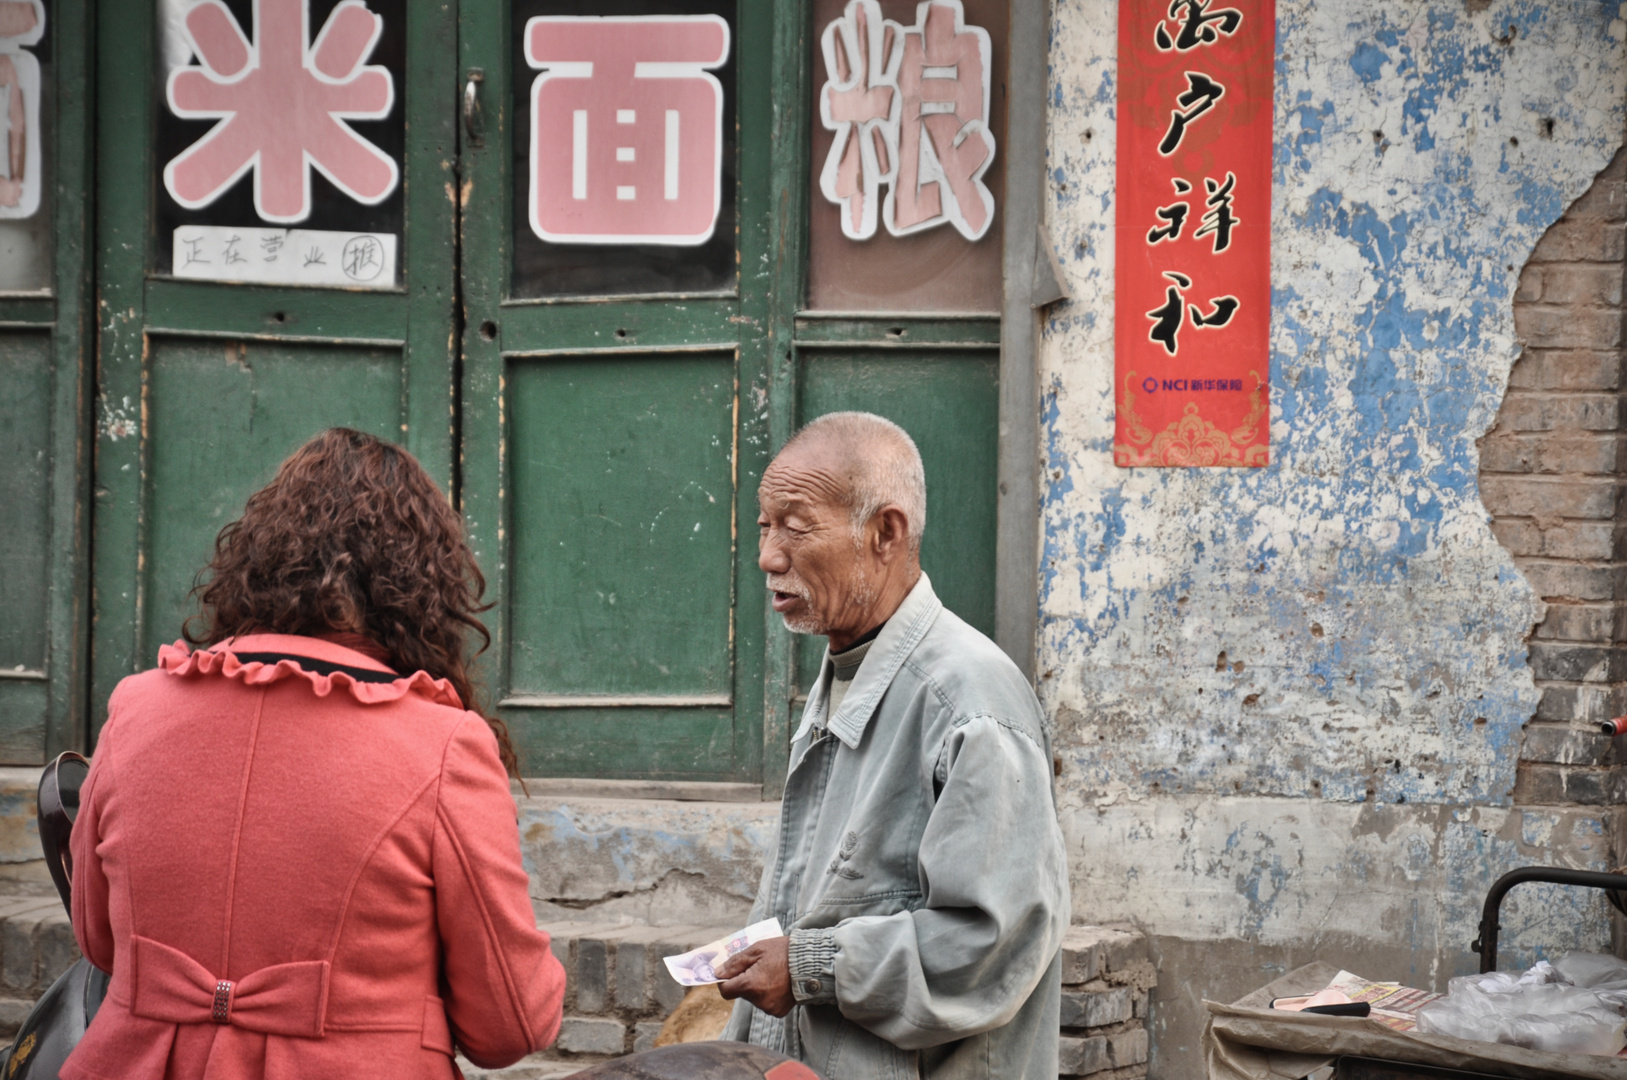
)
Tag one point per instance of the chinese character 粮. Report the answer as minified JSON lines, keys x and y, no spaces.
{"x":909,"y":107}
{"x":1200,"y":96}
{"x":1197,"y":25}
{"x":1218,"y":219}
{"x":626,"y":128}
{"x":1168,"y":318}
{"x":22,"y":22}
{"x":282,"y":103}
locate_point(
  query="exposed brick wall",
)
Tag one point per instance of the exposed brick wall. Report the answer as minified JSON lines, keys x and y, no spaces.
{"x":1551,"y":473}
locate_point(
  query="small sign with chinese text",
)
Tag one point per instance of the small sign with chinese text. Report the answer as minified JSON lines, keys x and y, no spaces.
{"x":270,"y":256}
{"x":1193,"y":278}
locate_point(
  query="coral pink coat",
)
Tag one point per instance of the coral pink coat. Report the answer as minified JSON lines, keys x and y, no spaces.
{"x":294,"y":875}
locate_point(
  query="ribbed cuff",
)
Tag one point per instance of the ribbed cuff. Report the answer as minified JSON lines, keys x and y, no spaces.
{"x":813,"y":966}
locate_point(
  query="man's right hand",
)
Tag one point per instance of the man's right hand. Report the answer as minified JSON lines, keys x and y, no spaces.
{"x":761,"y":974}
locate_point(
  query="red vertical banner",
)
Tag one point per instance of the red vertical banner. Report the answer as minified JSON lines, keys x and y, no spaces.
{"x":1193,"y":281}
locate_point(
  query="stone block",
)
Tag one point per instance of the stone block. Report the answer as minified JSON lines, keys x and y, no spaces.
{"x":56,"y":947}
{"x":1081,"y":1057}
{"x":1553,"y":412}
{"x":630,"y":972}
{"x":17,"y":966}
{"x":1582,"y":240}
{"x":1510,"y":453}
{"x":1529,"y":289}
{"x":1592,"y":622}
{"x":592,"y":975}
{"x":1603,"y":201}
{"x":644,"y":1033}
{"x":592,"y":1035}
{"x":13,"y":1011}
{"x":1095,"y":1008}
{"x":1127,"y":1047}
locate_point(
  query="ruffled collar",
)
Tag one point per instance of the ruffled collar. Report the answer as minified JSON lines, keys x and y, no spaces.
{"x":220,"y":659}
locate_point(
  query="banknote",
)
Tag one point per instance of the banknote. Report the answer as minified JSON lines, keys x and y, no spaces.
{"x":697,"y":966}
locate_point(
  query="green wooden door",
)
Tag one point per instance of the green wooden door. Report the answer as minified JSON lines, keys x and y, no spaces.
{"x":620,"y":397}
{"x":246,"y":305}
{"x":44,"y":137}
{"x":613,"y":417}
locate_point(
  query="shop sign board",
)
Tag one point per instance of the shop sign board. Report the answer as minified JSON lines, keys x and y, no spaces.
{"x":282,"y":101}
{"x":1193,"y":204}
{"x":909,"y":107}
{"x":626,"y":128}
{"x":22,"y":23}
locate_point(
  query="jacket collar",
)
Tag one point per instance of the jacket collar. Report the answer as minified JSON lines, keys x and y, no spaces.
{"x":898,"y":638}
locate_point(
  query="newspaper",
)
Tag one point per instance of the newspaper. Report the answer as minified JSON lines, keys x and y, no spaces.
{"x":697,"y":966}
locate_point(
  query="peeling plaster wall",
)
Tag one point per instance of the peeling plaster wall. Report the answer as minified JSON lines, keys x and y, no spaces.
{"x":1290,"y":700}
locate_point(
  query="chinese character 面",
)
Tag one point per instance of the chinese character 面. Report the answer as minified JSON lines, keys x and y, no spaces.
{"x":22,"y":22}
{"x":282,"y":103}
{"x":910,"y":109}
{"x":1218,"y":219}
{"x":1196,"y":21}
{"x":1199,"y":97}
{"x":1169,"y":316}
{"x":626,"y":128}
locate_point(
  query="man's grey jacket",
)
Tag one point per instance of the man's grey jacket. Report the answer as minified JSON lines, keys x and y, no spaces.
{"x":919,"y":868}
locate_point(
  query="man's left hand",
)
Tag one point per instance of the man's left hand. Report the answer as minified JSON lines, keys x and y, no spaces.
{"x":761,"y":974}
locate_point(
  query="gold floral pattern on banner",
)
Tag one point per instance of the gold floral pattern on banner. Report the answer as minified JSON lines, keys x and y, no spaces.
{"x":1192,"y":440}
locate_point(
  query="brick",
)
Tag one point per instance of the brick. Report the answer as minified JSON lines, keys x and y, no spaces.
{"x":1081,"y":961}
{"x":1551,"y":452}
{"x":1558,"y":412}
{"x":1603,"y":201}
{"x":1081,"y":1057}
{"x":1128,"y":1047}
{"x":1578,"y":622}
{"x":1138,"y":1005}
{"x":1529,"y":288}
{"x":1567,"y":327}
{"x":1582,"y":240}
{"x":1567,"y":662}
{"x":592,"y":975}
{"x":1571,"y":581}
{"x":1584,"y":284}
{"x":1562,"y":744}
{"x":1538,"y":784}
{"x":1095,"y":1008}
{"x":633,"y":959}
{"x":1531,"y":496}
{"x":1581,"y":704}
{"x":644,"y":1034}
{"x":1565,"y":369}
{"x":592,"y":1035}
{"x":1510,"y":453}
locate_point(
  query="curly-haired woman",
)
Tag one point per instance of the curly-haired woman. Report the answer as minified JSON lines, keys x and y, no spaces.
{"x":296,"y":851}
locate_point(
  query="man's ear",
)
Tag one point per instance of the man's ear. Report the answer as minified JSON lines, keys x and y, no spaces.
{"x":892,"y":538}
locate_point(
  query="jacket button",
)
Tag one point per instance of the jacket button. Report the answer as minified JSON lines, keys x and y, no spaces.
{"x":810,"y":987}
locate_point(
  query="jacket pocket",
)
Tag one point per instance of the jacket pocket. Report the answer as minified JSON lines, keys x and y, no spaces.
{"x":436,"y":1033}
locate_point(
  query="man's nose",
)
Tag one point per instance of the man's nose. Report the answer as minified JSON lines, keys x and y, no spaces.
{"x":771,"y":558}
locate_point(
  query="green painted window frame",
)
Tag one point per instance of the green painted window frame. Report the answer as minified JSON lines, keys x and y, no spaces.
{"x":65,"y":314}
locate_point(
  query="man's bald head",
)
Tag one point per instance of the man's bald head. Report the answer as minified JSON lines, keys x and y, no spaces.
{"x":878,"y":465}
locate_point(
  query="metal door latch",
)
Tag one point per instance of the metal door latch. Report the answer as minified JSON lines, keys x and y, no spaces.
{"x":471,"y":106}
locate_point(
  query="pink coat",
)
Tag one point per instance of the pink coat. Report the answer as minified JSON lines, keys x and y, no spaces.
{"x":294,"y":875}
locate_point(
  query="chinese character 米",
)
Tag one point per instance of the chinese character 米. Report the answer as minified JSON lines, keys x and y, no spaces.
{"x":282,"y":103}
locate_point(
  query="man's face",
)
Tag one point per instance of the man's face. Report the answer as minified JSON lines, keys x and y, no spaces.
{"x":805,"y":544}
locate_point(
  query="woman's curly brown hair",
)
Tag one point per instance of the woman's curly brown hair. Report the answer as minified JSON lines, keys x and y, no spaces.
{"x":352,"y":536}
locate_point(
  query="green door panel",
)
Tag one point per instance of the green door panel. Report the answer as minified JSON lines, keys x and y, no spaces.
{"x":223,"y":415}
{"x":25,"y":541}
{"x":621,"y":527}
{"x":948,"y":402}
{"x":25,"y":492}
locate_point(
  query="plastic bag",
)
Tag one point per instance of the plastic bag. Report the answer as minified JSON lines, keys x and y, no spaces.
{"x":1539,"y":1009}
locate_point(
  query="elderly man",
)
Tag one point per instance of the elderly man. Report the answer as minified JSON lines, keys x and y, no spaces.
{"x":919,"y":870}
